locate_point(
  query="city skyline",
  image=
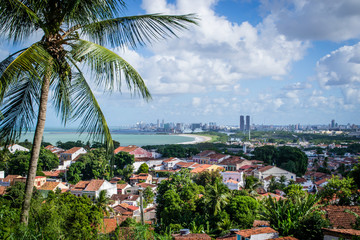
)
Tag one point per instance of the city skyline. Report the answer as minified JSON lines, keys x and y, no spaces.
{"x":281,"y":62}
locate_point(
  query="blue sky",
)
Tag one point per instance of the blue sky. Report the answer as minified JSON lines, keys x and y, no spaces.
{"x":280,"y":61}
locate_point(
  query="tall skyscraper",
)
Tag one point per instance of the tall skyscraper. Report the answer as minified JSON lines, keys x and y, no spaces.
{"x":333,"y":123}
{"x":242,"y":123}
{"x":247,"y":126}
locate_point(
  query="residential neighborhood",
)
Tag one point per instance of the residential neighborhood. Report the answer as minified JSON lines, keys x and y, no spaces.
{"x":126,"y":196}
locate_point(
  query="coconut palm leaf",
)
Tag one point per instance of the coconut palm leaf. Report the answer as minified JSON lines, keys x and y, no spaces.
{"x":87,"y":108}
{"x":136,"y":30}
{"x":108,"y":68}
{"x":18,"y":113}
{"x":79,"y":12}
{"x":34,"y":62}
{"x":18,"y":20}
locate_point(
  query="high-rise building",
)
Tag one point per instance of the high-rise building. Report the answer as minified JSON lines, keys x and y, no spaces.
{"x":247,"y":126}
{"x":242,"y":123}
{"x":333,"y":123}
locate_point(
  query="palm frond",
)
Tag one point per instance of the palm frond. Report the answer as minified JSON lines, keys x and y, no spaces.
{"x":18,"y":18}
{"x":79,"y":12}
{"x":61,"y":98}
{"x":18,"y":113}
{"x":137,"y":30}
{"x":32,"y":62}
{"x":108,"y":68}
{"x":87,"y":108}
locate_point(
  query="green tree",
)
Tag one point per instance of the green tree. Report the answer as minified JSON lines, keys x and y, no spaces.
{"x":244,"y":210}
{"x":102,"y":202}
{"x":251,"y":184}
{"x":74,"y":174}
{"x":290,"y":216}
{"x":122,"y":159}
{"x":294,"y":191}
{"x":341,"y":189}
{"x":47,"y":160}
{"x":216,"y":197}
{"x":207,"y":178}
{"x":292,"y":159}
{"x":19,"y":163}
{"x":355,"y":174}
{"x":268,"y":154}
{"x":54,"y":62}
{"x":149,"y":196}
{"x":144,"y":168}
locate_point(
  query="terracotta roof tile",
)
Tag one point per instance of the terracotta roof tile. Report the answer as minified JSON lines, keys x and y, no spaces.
{"x":73,"y":150}
{"x":109,"y":225}
{"x":2,"y":190}
{"x":49,"y":186}
{"x":192,"y":236}
{"x":347,"y":232}
{"x":80,"y":185}
{"x":11,"y":178}
{"x":254,"y":231}
{"x":94,"y":185}
{"x":339,"y":218}
{"x":261,"y":223}
{"x":127,"y":149}
{"x":263,"y":169}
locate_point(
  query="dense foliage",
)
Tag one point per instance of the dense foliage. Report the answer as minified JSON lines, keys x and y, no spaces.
{"x":291,"y":159}
{"x":18,"y":163}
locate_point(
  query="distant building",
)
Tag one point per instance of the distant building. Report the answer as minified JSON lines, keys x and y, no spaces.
{"x":247,"y":126}
{"x":242,"y":123}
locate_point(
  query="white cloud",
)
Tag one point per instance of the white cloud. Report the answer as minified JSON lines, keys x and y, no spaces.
{"x":217,"y":54}
{"x":341,"y":69}
{"x":334,"y":20}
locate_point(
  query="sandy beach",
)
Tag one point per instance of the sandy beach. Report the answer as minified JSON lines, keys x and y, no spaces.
{"x":198,"y":138}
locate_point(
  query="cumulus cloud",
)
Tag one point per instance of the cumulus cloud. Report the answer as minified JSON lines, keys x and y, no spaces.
{"x":335,"y":20}
{"x":217,"y":54}
{"x":341,"y":69}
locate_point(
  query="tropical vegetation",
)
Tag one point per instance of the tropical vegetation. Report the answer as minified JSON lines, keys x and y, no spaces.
{"x":75,"y":35}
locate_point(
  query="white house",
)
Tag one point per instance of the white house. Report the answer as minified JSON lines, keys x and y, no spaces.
{"x":70,"y":155}
{"x":16,"y":147}
{"x":93,"y":188}
{"x":233,"y":179}
{"x":273,"y":171}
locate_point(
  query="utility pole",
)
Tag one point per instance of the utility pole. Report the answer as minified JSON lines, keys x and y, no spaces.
{"x":141,"y":206}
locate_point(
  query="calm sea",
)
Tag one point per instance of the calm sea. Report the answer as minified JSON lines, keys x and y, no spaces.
{"x":124,"y":137}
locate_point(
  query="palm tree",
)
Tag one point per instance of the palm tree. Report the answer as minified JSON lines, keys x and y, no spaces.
{"x":217,"y":197}
{"x":286,"y":215}
{"x":54,"y":64}
{"x":102,"y":202}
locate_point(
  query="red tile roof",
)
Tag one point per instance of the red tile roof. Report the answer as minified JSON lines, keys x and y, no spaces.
{"x":347,"y":232}
{"x":263,"y":169}
{"x":10,"y":178}
{"x":261,"y":223}
{"x":255,"y":231}
{"x":49,"y":186}
{"x":192,"y":236}
{"x":2,"y":190}
{"x":80,"y":185}
{"x":128,"y":149}
{"x":339,"y":218}
{"x":73,"y":150}
{"x":94,"y":185}
{"x":109,"y":225}
{"x":121,"y":186}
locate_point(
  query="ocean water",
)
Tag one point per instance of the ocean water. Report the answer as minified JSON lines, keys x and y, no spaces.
{"x":125,"y":138}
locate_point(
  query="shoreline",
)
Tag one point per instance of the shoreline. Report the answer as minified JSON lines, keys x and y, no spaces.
{"x":198,"y":138}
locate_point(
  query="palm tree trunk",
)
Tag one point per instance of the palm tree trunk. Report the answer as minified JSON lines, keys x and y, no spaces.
{"x":30,"y":180}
